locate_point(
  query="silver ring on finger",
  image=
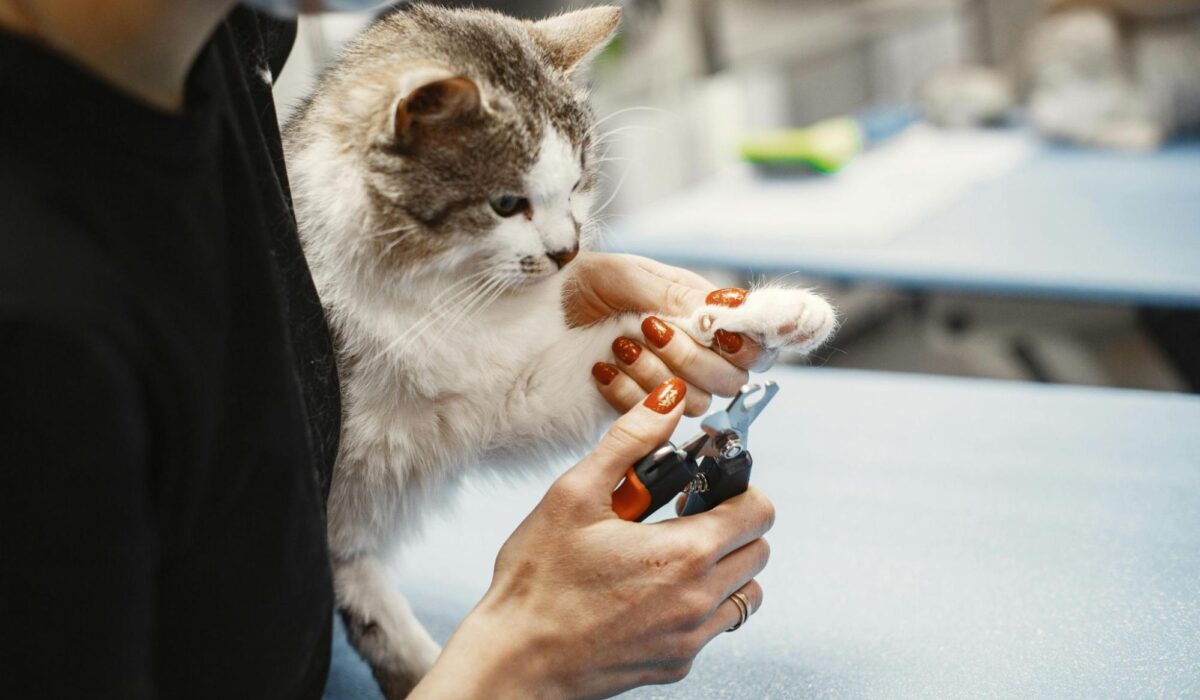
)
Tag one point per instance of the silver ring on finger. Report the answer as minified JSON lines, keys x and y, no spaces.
{"x":742,"y":603}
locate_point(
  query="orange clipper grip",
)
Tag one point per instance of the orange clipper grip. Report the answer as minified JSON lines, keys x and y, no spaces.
{"x":652,"y":483}
{"x":632,"y":498}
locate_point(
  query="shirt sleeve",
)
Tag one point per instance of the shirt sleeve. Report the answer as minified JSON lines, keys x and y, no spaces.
{"x":77,"y":537}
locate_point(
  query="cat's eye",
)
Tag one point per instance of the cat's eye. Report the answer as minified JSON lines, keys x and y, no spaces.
{"x":507,"y":205}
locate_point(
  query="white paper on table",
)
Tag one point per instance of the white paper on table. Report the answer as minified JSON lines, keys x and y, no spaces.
{"x":882,"y":193}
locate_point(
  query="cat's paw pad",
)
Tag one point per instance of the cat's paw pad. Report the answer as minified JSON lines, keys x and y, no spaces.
{"x":777,"y":318}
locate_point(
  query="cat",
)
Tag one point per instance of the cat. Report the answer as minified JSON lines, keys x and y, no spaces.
{"x":1107,"y":73}
{"x":442,"y":173}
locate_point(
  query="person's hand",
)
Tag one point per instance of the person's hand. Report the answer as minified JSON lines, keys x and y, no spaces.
{"x":606,"y":284}
{"x":584,"y":604}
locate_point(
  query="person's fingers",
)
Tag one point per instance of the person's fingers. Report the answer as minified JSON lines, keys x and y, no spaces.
{"x":680,"y":503}
{"x":738,"y":349}
{"x":648,"y":370}
{"x":730,"y":526}
{"x":727,"y":614}
{"x":765,"y":361}
{"x":618,"y":389}
{"x":744,"y":352}
{"x":738,"y":567}
{"x":689,"y":360}
{"x":635,"y":434}
{"x":607,"y":283}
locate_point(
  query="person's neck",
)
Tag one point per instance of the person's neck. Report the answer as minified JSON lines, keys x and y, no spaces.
{"x":143,"y":47}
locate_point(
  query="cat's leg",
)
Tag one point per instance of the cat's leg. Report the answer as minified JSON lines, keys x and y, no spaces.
{"x":554,"y":400}
{"x":381,"y":625}
{"x":553,"y":405}
{"x":375,"y":505}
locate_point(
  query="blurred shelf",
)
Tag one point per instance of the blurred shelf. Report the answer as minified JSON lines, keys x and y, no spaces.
{"x":1063,"y":224}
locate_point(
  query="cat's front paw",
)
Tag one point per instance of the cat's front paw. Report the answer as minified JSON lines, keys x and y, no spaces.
{"x":777,"y":318}
{"x":398,"y":660}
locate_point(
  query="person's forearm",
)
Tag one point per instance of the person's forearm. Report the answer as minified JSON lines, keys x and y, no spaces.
{"x":486,"y":659}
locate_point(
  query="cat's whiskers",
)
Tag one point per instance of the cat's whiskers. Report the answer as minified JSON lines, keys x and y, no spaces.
{"x":392,"y":231}
{"x":397,"y":232}
{"x":440,"y":305}
{"x":388,"y":248}
{"x":457,"y":284}
{"x":594,"y":229}
{"x":451,"y":313}
{"x":505,"y":283}
{"x":603,"y":139}
{"x":458,"y":292}
{"x":480,"y":301}
{"x":627,"y":110}
{"x":616,"y":190}
{"x":463,"y":307}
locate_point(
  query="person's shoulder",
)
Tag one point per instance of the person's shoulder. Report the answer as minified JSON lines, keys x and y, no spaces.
{"x":263,"y":42}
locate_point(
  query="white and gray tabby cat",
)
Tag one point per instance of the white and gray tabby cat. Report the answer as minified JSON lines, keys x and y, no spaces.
{"x":443,"y":173}
{"x":1119,"y":74}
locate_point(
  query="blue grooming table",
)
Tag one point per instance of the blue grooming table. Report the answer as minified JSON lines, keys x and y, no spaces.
{"x":1066,"y":224}
{"x":936,"y":537}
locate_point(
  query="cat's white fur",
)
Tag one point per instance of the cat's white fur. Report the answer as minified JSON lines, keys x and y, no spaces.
{"x":437,"y":391}
{"x":510,"y":386}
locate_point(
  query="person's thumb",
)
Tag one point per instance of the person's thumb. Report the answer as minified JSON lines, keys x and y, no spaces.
{"x":657,"y":288}
{"x":610,"y":283}
{"x":635,"y":434}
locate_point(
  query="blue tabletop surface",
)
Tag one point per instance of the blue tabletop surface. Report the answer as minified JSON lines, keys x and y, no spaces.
{"x":936,"y":537}
{"x":1066,"y":224}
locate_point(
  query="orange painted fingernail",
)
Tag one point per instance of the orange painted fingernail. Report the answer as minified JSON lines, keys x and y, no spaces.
{"x":656,"y":331}
{"x":730,"y":296}
{"x":728,"y":341}
{"x":666,"y":396}
{"x":604,"y":373}
{"x":626,"y":350}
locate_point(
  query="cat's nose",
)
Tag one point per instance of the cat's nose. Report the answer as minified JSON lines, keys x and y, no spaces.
{"x":562,"y":257}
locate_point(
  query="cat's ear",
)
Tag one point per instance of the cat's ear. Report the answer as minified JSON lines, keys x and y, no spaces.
{"x":433,"y":97}
{"x":573,"y":39}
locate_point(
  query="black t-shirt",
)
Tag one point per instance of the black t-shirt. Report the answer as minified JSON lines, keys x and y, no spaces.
{"x":168,"y":402}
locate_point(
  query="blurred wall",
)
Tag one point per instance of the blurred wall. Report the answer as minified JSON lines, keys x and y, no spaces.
{"x":694,"y":75}
{"x":711,"y":70}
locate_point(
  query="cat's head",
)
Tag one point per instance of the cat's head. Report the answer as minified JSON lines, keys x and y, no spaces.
{"x":471,"y":135}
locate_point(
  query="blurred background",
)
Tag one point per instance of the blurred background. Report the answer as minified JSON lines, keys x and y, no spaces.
{"x":991,"y":188}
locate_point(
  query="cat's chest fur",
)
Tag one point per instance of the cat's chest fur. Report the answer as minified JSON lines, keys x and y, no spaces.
{"x":453,"y":382}
{"x":506,"y":387}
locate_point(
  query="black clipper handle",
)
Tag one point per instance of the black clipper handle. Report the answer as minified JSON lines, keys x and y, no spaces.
{"x":722,"y":484}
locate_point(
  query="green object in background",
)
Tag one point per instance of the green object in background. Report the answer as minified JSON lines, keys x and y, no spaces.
{"x":825,"y":146}
{"x":829,"y":145}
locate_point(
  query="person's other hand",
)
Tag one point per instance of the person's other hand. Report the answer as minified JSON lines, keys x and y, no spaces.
{"x":604,"y":284}
{"x":584,"y":604}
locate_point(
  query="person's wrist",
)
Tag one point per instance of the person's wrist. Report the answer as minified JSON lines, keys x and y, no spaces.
{"x":490,"y":657}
